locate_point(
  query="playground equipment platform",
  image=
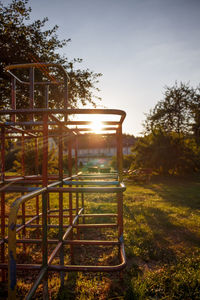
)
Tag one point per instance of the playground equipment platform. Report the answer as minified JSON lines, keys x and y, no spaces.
{"x":33,"y":218}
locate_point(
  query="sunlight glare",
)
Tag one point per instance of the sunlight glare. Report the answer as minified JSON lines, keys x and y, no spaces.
{"x":96,"y":126}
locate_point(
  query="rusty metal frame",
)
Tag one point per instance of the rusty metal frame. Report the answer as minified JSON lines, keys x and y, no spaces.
{"x":33,"y":186}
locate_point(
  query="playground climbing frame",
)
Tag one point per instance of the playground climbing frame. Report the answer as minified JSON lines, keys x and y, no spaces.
{"x":69,"y":218}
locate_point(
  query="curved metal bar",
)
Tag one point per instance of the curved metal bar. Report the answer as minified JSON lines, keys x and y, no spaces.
{"x":38,"y":66}
{"x":86,"y":268}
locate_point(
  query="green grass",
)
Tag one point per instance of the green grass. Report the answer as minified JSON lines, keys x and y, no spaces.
{"x":162,"y":222}
{"x":162,"y":242}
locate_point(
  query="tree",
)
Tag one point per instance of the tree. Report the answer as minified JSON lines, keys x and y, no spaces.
{"x":22,"y":42}
{"x":30,"y":156}
{"x":166,"y":153}
{"x":178,"y":112}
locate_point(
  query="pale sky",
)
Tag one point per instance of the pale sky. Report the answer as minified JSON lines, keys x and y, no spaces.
{"x":138,"y":45}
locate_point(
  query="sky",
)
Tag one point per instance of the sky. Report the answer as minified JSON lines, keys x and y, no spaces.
{"x":140,"y":46}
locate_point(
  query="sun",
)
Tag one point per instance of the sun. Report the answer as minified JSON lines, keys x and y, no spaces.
{"x":96,"y":126}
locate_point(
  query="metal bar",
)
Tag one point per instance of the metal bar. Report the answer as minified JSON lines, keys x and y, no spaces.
{"x":46,"y":97}
{"x":36,"y":172}
{"x":93,"y":268}
{"x":40,"y":226}
{"x":65,"y":95}
{"x":44,"y":207}
{"x":27,"y":223}
{"x":69,"y":111}
{"x":62,"y":240}
{"x":34,"y":287}
{"x":91,"y":242}
{"x":111,"y":225}
{"x":92,"y":183}
{"x":89,"y":189}
{"x":23,"y":174}
{"x":66,"y":216}
{"x":60,"y":168}
{"x":39,"y":65}
{"x":66,"y":242}
{"x":99,"y":176}
{"x":15,"y":129}
{"x":2,"y":199}
{"x":70,"y":198}
{"x":8,"y":188}
{"x":31,"y":90}
{"x":90,"y":129}
{"x":98,"y":215}
{"x":13,"y":97}
{"x":120,"y":195}
{"x":77,"y":267}
{"x":53,"y":254}
{"x":77,"y":194}
{"x":22,"y":267}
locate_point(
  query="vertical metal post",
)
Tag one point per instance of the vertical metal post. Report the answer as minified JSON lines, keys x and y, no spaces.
{"x":60,"y":167}
{"x":70,"y":198}
{"x":23,"y":205}
{"x":65,"y":96}
{"x":3,"y":199}
{"x":23,"y":156}
{"x":13,"y":97}
{"x":82,"y":205}
{"x":36,"y":157}
{"x":36,"y":173}
{"x":76,"y":154}
{"x":69,"y":159}
{"x":46,"y":96}
{"x":31,"y":90}
{"x":44,"y":204}
{"x":46,"y":105}
{"x":77,"y":195}
{"x":120,"y":171}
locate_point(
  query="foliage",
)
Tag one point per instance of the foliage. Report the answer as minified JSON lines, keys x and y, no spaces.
{"x":10,"y":154}
{"x":167,"y":153}
{"x":22,"y":41}
{"x":172,"y":132}
{"x":30,"y":157}
{"x":177,"y":111}
{"x":65,"y":163}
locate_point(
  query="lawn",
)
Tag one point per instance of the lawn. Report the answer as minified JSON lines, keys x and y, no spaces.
{"x":162,"y":240}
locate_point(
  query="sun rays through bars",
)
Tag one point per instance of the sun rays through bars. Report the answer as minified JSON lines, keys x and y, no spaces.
{"x":33,"y":221}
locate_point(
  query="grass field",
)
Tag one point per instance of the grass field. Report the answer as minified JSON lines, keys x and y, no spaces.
{"x":162,"y":242}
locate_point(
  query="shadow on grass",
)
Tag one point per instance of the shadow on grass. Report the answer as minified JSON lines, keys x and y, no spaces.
{"x":163,"y":226}
{"x":178,"y":191}
{"x":155,"y":238}
{"x":149,"y":240}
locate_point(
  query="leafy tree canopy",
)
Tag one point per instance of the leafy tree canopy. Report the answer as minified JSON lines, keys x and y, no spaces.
{"x":166,"y":153}
{"x":172,"y":133}
{"x":23,"y":41}
{"x":178,"y":112}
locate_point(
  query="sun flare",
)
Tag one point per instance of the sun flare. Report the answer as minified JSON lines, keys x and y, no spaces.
{"x":96,"y":126}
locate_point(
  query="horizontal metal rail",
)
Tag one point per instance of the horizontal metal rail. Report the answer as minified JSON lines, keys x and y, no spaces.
{"x":67,"y":268}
